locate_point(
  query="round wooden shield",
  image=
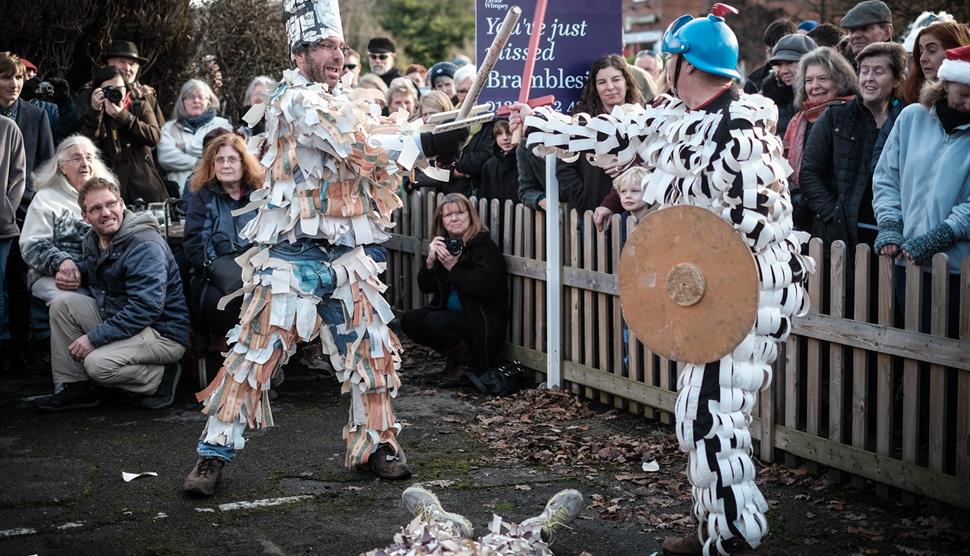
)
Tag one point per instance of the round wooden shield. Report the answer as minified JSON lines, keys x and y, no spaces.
{"x":688,"y":285}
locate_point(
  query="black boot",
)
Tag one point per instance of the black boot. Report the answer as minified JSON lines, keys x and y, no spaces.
{"x":74,"y":395}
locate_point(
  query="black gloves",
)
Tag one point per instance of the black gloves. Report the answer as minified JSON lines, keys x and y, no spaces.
{"x":444,"y":144}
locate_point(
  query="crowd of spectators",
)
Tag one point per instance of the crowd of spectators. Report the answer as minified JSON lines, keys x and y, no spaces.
{"x":877,"y":137}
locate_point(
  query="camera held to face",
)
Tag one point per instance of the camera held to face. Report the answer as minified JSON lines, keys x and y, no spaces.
{"x":112,"y":94}
{"x":454,"y":245}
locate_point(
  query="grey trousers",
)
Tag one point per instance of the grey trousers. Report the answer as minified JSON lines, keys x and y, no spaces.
{"x":134,"y":364}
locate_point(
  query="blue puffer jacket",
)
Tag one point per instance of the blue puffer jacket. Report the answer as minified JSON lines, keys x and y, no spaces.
{"x":135,"y":283}
{"x":208,"y":213}
{"x":923,"y":179}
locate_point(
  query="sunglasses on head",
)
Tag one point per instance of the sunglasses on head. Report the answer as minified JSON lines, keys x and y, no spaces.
{"x":381,"y":56}
{"x":350,"y":66}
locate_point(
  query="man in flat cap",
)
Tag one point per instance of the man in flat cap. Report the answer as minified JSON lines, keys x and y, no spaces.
{"x":868,"y":22}
{"x":381,"y":52}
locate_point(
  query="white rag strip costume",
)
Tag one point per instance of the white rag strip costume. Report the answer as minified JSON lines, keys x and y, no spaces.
{"x":726,"y":158}
{"x":333,"y":167}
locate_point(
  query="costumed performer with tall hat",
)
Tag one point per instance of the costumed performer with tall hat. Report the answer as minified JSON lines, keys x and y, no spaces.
{"x":333,"y":165}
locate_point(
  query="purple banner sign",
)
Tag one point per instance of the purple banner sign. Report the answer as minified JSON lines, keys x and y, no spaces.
{"x":575,"y":33}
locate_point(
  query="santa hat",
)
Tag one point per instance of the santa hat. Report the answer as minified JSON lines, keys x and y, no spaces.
{"x":311,"y":21}
{"x":956,"y":67}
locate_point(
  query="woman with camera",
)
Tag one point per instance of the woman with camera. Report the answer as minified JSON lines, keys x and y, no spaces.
{"x":221,"y":184}
{"x":465,"y":273}
{"x":125,"y":129}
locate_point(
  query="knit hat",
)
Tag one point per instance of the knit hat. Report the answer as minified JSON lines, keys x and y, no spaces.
{"x":791,"y":48}
{"x":956,"y":67}
{"x":441,"y":69}
{"x":311,"y":21}
{"x":866,"y":13}
{"x":806,"y":26}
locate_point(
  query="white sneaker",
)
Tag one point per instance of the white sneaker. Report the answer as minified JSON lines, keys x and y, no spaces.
{"x":423,"y":502}
{"x":562,"y":508}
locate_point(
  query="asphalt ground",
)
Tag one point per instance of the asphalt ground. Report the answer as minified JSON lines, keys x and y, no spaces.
{"x":288,"y":493}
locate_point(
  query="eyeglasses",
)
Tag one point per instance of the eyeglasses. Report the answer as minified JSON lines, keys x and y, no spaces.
{"x":381,"y":56}
{"x":98,"y":209}
{"x":220,"y":160}
{"x":350,"y":66}
{"x":329,"y":46}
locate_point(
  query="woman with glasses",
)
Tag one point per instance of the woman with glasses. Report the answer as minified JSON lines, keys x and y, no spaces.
{"x":180,"y":147}
{"x":257,"y":92}
{"x":352,"y":66}
{"x":465,"y":274}
{"x":53,"y":228}
{"x":225,"y":177}
{"x":124,"y":127}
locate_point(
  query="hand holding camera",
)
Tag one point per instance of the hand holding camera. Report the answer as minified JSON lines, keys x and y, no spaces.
{"x":107,"y":98}
{"x":445,"y":250}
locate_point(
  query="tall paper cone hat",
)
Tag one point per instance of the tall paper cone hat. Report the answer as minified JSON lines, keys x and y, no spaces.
{"x":311,"y":21}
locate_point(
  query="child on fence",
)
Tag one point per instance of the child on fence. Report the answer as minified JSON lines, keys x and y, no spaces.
{"x":629,"y":186}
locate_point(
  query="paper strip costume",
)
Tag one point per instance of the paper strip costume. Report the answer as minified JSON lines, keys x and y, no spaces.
{"x":333,"y":167}
{"x":727,"y":159}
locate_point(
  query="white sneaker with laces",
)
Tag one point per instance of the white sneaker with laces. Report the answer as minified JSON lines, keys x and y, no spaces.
{"x":562,"y":508}
{"x":423,"y":502}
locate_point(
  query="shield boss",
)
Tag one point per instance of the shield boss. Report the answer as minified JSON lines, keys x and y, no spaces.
{"x":688,"y":285}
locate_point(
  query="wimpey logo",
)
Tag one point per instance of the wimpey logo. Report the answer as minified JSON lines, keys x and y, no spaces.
{"x":496,"y":4}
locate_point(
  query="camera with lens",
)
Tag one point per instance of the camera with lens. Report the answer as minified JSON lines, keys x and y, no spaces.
{"x":454,"y":245}
{"x":112,"y":94}
{"x":35,"y":89}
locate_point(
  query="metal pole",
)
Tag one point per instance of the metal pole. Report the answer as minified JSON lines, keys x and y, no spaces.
{"x":553,"y":278}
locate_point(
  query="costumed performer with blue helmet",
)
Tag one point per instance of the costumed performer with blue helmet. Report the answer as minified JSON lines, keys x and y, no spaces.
{"x":715,"y":148}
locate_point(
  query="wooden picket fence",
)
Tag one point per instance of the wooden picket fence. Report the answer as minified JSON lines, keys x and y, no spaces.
{"x":850,"y":391}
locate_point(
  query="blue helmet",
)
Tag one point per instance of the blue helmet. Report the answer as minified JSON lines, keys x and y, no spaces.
{"x":706,"y":42}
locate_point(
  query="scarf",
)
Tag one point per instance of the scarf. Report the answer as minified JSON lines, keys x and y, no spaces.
{"x":797,"y":131}
{"x":192,"y":124}
{"x":950,"y":118}
{"x":12,"y":111}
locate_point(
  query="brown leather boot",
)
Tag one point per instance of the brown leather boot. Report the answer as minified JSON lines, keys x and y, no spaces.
{"x":204,"y":477}
{"x":688,"y":545}
{"x":459,"y":361}
{"x":386,"y":464}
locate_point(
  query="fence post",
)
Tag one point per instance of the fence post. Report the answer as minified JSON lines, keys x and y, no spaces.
{"x":553,"y":278}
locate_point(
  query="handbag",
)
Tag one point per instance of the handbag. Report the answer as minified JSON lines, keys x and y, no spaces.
{"x":223,"y":272}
